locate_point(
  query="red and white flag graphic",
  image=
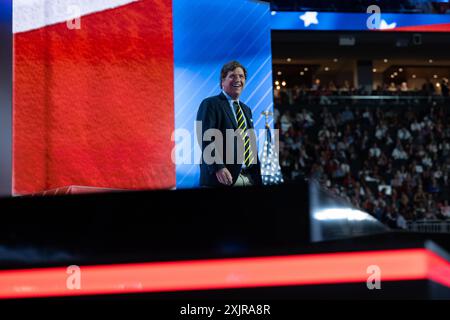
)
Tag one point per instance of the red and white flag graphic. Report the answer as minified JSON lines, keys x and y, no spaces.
{"x":93,"y":97}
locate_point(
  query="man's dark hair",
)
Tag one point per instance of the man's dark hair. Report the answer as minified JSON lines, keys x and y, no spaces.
{"x":230,"y":66}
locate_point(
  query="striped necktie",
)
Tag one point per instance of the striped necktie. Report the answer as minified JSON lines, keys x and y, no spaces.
{"x":248,"y":154}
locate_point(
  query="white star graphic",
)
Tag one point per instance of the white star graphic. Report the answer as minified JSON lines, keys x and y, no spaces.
{"x":384,"y":25}
{"x":309,"y":17}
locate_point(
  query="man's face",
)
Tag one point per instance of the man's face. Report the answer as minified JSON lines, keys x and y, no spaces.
{"x":234,"y":82}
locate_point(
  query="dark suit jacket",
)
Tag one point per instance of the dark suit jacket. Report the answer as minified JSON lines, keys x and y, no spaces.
{"x":215,"y":113}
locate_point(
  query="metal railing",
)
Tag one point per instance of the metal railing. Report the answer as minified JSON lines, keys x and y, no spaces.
{"x":383,"y":102}
{"x":432,"y":226}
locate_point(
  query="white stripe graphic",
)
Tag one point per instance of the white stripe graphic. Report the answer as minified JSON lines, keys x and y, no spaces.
{"x":34,"y":14}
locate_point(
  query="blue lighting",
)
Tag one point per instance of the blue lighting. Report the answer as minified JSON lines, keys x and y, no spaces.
{"x":330,"y":21}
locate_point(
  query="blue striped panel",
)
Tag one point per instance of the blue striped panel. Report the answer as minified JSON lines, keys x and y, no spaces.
{"x":208,"y":34}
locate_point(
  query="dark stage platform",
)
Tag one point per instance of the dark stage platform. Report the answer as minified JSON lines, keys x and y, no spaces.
{"x":290,"y":241}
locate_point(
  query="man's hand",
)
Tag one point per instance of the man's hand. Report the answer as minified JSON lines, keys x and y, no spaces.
{"x":224,"y":177}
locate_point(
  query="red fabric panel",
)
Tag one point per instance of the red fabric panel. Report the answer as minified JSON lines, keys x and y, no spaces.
{"x":95,"y":106}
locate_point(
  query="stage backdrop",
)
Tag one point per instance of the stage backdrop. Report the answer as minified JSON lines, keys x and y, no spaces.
{"x":208,"y":34}
{"x":93,"y":106}
{"x":98,"y":105}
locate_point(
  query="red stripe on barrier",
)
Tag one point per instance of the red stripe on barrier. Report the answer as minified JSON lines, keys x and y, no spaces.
{"x":294,"y":270}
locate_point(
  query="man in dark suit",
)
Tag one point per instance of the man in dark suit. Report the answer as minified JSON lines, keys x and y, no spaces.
{"x":226,"y":134}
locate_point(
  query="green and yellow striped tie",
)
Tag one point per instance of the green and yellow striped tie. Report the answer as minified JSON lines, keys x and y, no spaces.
{"x":248,"y":154}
